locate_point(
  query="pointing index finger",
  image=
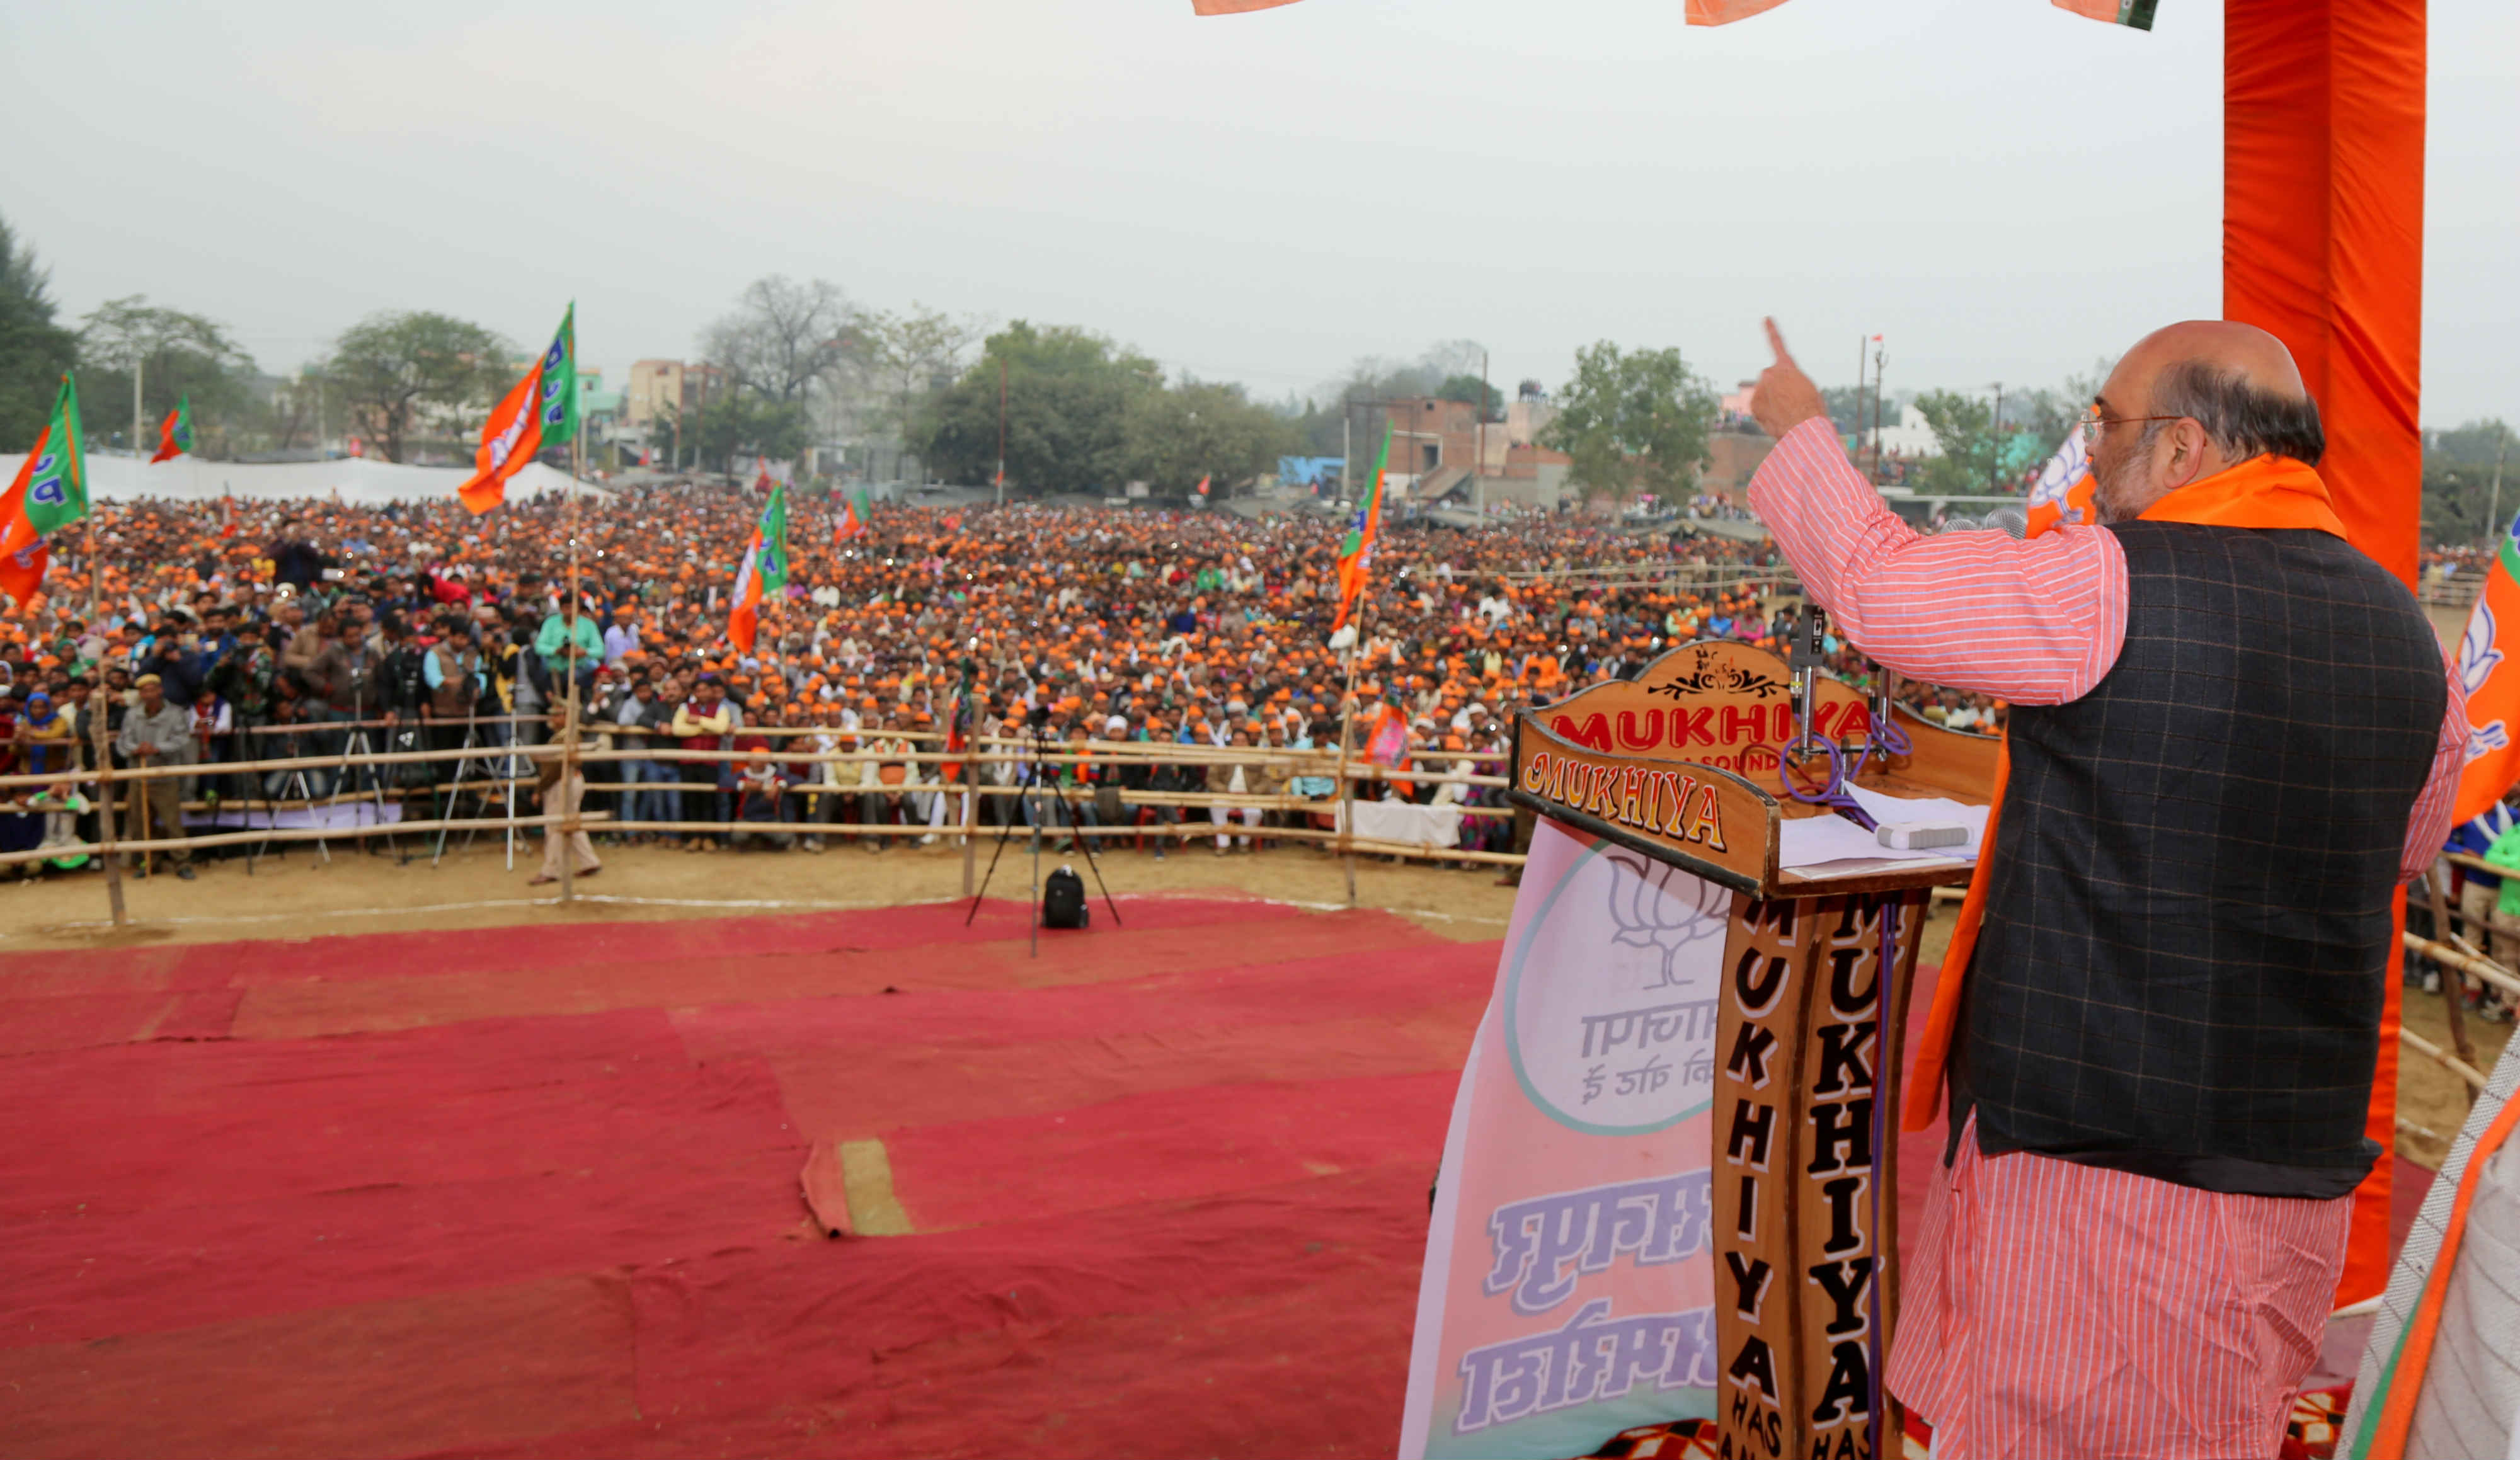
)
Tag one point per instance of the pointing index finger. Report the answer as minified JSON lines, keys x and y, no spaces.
{"x":1777,"y":342}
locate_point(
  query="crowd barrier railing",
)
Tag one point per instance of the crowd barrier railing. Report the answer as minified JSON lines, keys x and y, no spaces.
{"x":2458,"y":945}
{"x":367,"y":777}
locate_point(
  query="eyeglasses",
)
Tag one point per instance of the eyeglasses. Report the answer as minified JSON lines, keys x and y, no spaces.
{"x":2092,"y":425}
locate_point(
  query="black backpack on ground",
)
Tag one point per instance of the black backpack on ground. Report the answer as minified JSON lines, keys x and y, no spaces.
{"x":1062,"y":899}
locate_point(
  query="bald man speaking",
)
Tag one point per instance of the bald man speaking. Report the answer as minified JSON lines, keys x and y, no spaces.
{"x":2231,"y":737}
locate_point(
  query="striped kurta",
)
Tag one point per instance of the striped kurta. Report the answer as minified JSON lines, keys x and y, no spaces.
{"x":2060,"y":1309}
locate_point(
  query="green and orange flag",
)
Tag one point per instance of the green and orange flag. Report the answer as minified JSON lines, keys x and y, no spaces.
{"x":2489,"y":668}
{"x":541,"y":410}
{"x":49,"y":494}
{"x":764,"y":572}
{"x":1356,"y":550}
{"x":175,"y":437}
{"x":857,"y":517}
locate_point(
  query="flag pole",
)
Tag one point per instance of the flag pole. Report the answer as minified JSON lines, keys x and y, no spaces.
{"x":565,"y":829}
{"x":1345,"y":802}
{"x":94,"y":528}
{"x":105,"y":790}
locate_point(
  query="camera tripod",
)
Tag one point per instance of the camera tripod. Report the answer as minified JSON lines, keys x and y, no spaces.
{"x":497,"y":762}
{"x":1037,"y":745}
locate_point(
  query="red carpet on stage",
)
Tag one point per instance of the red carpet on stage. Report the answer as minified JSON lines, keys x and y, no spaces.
{"x":537,"y":1191}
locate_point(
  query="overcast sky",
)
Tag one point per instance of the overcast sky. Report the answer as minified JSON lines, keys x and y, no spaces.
{"x":2002,"y":190}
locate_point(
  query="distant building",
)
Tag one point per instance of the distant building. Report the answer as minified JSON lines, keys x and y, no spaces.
{"x":1910,"y":437}
{"x":1733,"y":458}
{"x":599,"y":409}
{"x":1526,"y":419}
{"x":1440,"y":446}
{"x":666,"y":388}
{"x":1736,"y":407}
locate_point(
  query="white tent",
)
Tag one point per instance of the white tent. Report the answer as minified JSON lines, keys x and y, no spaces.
{"x":360,"y":482}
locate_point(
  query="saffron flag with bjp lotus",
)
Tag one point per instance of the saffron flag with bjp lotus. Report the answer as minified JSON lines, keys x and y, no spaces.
{"x":1356,"y":551}
{"x":175,"y":437}
{"x":763,"y":572}
{"x":49,"y":494}
{"x":540,"y":411}
{"x":857,"y":513}
{"x":2487,"y":669}
{"x":2063,"y":492}
{"x":2134,"y":13}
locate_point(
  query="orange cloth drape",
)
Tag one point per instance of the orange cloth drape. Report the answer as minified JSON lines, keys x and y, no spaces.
{"x":2323,"y":243}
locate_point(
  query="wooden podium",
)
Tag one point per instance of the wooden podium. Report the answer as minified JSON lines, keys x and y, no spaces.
{"x":1683,"y":765}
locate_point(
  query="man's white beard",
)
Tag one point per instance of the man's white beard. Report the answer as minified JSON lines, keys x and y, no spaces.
{"x":2123,"y":484}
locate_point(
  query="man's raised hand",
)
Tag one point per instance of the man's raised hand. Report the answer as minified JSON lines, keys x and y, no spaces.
{"x":1786,"y":397}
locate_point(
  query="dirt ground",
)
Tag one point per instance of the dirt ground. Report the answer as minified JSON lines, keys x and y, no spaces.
{"x":300,"y":895}
{"x":2429,"y":1095}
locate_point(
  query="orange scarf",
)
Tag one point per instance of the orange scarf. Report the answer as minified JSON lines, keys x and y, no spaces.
{"x":2264,"y":492}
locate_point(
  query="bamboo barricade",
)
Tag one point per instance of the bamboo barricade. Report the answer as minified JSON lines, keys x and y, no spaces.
{"x":2460,"y":954}
{"x":2474,"y":1077}
{"x":1101,"y":753}
{"x":109,"y":848}
{"x":2454,"y":1000}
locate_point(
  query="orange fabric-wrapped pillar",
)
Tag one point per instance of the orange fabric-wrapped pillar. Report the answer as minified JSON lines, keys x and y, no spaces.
{"x":2323,"y":243}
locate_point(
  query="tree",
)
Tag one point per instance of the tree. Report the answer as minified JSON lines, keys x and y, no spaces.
{"x":1846,"y":403}
{"x":2461,"y":504}
{"x":180,"y":356}
{"x":1965,"y":429}
{"x":1067,"y":394}
{"x":33,"y":349}
{"x":395,"y":366}
{"x":744,"y":422}
{"x":1633,"y":423}
{"x":1346,"y":405}
{"x":1474,"y":391}
{"x":1173,"y":437}
{"x":904,"y":358}
{"x":293,"y":410}
{"x":783,"y":338}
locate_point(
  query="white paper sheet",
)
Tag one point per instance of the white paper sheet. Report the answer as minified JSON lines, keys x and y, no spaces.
{"x":1816,"y":841}
{"x":1886,"y":807}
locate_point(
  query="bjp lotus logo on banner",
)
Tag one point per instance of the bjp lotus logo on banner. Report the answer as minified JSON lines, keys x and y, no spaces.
{"x":1570,"y":1276}
{"x":2065,"y":487}
{"x":2493,"y":684}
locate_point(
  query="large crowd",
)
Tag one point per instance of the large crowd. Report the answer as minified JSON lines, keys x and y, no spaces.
{"x":222,"y":633}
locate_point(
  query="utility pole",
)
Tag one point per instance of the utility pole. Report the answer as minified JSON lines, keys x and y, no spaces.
{"x":1880,"y":357}
{"x":1347,"y":442}
{"x":1479,"y":469}
{"x":1859,"y":342}
{"x":700,"y":420}
{"x":2493,"y":513}
{"x":136,"y":418}
{"x":1001,"y":430}
{"x":1995,"y":426}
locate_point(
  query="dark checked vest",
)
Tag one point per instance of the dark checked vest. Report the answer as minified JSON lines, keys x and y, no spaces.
{"x":2187,"y":922}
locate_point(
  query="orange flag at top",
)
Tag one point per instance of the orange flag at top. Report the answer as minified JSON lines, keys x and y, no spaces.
{"x":540,"y":411}
{"x":2134,"y":13}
